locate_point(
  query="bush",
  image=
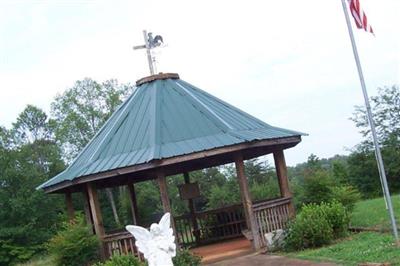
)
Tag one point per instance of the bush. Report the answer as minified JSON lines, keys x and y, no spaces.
{"x":347,"y":195}
{"x":11,"y":253}
{"x":74,"y":245}
{"x":310,"y":228}
{"x":317,"y":225}
{"x":185,"y":258}
{"x":182,"y":258}
{"x":121,"y":260}
{"x":337,"y":217}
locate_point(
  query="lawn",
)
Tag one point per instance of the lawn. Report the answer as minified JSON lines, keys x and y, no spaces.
{"x":373,"y":213}
{"x":358,"y":248}
{"x":363,"y":247}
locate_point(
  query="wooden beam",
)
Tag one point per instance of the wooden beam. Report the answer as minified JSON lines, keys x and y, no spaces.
{"x":95,"y":210}
{"x":86,"y":208}
{"x":162,"y":183}
{"x":192,"y":210}
{"x":133,"y":201}
{"x":96,"y":214}
{"x":281,"y":172}
{"x":247,"y":204}
{"x":70,"y":206}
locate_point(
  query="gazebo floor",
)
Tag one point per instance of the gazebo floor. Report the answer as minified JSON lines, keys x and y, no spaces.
{"x":223,"y":250}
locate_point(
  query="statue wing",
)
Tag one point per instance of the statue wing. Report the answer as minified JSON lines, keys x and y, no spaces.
{"x":143,"y":238}
{"x":168,"y":233}
{"x":165,"y":225}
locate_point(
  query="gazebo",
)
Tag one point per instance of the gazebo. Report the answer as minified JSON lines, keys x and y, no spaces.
{"x":168,"y":127}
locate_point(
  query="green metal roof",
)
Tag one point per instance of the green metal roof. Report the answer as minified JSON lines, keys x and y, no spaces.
{"x":162,"y":119}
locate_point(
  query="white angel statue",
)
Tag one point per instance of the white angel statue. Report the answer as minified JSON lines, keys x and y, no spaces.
{"x":158,"y":244}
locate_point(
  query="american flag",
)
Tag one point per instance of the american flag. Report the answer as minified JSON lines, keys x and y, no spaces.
{"x":359,"y":16}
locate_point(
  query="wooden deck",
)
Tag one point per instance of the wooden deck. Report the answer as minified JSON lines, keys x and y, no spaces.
{"x":223,"y":250}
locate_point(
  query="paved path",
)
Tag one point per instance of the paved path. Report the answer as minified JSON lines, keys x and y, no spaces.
{"x":267,"y":260}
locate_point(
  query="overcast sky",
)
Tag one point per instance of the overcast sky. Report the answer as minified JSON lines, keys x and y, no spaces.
{"x":288,"y":63}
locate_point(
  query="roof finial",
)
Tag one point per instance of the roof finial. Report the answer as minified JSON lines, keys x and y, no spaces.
{"x":150,"y":43}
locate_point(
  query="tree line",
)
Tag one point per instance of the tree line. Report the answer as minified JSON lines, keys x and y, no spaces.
{"x":39,"y":145}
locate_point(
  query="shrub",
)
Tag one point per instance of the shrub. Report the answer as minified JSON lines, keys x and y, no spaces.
{"x":121,"y":260}
{"x":310,"y":228}
{"x":185,"y":258}
{"x":317,"y":225}
{"x":11,"y":253}
{"x":347,"y":195}
{"x":74,"y":245}
{"x":337,"y":217}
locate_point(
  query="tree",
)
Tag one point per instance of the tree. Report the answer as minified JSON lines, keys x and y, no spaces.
{"x":32,"y":125}
{"x":257,"y":171}
{"x":386,"y":114}
{"x":28,"y":157}
{"x":80,"y":112}
{"x":4,"y":138}
{"x":340,"y":172}
{"x":363,"y":172}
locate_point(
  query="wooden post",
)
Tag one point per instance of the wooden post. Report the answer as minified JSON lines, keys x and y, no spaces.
{"x":281,"y":172}
{"x":162,"y":183}
{"x":247,"y":204}
{"x":97,"y":217}
{"x":70,"y":206}
{"x":192,"y":211}
{"x":86,"y":208}
{"x":134,"y":208}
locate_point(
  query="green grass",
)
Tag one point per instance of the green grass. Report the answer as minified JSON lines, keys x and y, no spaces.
{"x":358,"y":248}
{"x":373,"y":213}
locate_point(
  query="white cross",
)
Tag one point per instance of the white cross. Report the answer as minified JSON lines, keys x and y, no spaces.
{"x":150,"y":43}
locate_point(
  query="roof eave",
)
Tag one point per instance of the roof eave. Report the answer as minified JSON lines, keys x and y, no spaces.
{"x":156,"y":164}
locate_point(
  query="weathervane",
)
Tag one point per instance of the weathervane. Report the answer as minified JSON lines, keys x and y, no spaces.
{"x":150,"y":43}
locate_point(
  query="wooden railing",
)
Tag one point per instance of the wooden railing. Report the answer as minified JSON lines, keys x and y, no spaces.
{"x":271,"y":215}
{"x":120,"y":243}
{"x":213,"y":225}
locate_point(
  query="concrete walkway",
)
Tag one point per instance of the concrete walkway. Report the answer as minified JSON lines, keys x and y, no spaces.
{"x":267,"y":260}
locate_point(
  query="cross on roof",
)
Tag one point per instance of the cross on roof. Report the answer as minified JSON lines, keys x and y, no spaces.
{"x":150,"y":43}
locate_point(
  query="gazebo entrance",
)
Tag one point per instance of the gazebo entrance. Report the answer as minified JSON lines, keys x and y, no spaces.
{"x":169,"y":127}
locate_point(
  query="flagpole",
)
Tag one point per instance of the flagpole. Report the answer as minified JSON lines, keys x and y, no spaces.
{"x":378,"y":154}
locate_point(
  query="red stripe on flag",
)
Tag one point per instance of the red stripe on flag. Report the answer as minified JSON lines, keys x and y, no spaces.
{"x":360,"y":18}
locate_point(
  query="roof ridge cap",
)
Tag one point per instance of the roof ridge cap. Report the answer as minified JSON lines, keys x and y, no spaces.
{"x":159,"y":76}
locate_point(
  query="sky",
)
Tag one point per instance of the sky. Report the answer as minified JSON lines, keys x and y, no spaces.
{"x":288,"y":63}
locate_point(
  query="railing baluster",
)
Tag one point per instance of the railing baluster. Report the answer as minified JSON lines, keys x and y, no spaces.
{"x":131,"y":247}
{"x":279,"y":216}
{"x":272,"y":218}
